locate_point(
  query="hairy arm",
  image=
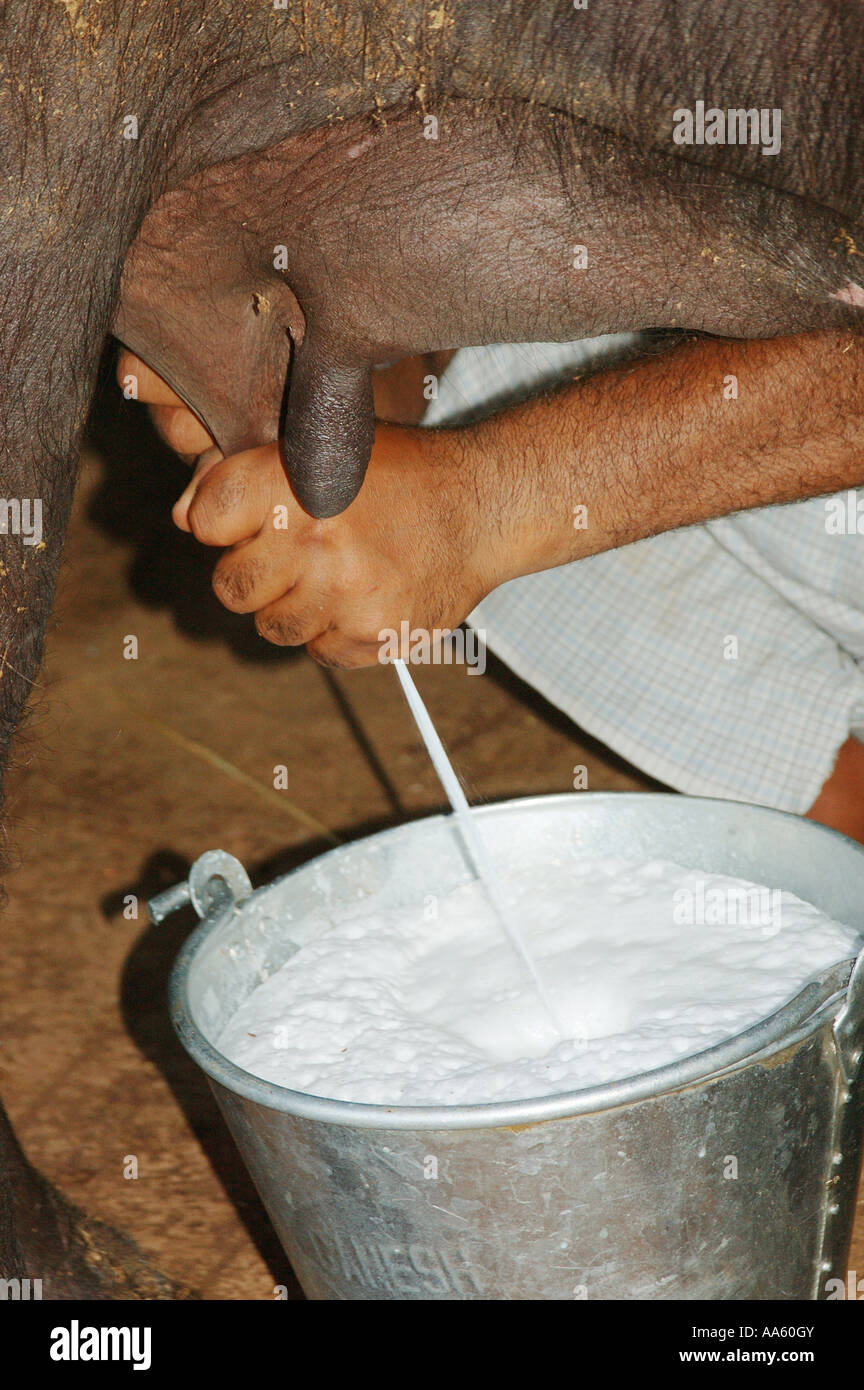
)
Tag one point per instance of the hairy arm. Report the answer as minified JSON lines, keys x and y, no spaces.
{"x":663,"y":443}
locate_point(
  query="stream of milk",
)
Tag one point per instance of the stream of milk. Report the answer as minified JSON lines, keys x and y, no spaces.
{"x":472,"y":837}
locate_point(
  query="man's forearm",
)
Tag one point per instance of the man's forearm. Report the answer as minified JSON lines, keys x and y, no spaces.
{"x":707,"y":428}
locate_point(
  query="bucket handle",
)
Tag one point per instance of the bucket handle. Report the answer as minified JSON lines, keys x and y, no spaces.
{"x":216,"y":882}
{"x":849,"y":1024}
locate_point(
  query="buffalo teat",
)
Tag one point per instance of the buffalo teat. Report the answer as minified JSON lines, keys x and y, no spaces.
{"x":327,"y":430}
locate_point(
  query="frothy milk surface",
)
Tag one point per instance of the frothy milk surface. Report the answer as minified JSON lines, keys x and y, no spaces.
{"x":646,"y":963}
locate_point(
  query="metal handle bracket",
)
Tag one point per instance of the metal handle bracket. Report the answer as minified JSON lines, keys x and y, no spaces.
{"x":216,"y":882}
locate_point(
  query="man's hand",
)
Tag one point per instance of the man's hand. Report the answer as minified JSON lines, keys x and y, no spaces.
{"x":411,"y":547}
{"x":414,"y":546}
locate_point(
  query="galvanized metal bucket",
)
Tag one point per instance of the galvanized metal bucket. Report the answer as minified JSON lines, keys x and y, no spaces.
{"x":729,"y":1175}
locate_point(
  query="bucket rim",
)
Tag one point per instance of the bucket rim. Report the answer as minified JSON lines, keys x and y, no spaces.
{"x":799,"y":1018}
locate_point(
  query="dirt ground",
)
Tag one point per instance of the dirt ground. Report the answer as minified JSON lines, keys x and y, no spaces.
{"x":126,"y":770}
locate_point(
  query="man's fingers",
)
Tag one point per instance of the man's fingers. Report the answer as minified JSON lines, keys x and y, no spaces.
{"x":343,"y":653}
{"x":298,"y":619}
{"x":247,"y":581}
{"x":141,"y":383}
{"x":180,"y":510}
{"x":231,"y":500}
{"x":176,"y":423}
{"x":292,"y":620}
{"x":181,"y":430}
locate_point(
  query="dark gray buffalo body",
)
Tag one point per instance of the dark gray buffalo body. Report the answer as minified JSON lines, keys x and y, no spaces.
{"x":300,"y":193}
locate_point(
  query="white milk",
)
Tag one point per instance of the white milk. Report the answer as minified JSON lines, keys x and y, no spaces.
{"x":397,"y":1009}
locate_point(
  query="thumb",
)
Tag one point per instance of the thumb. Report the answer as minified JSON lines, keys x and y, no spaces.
{"x":180,"y":510}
